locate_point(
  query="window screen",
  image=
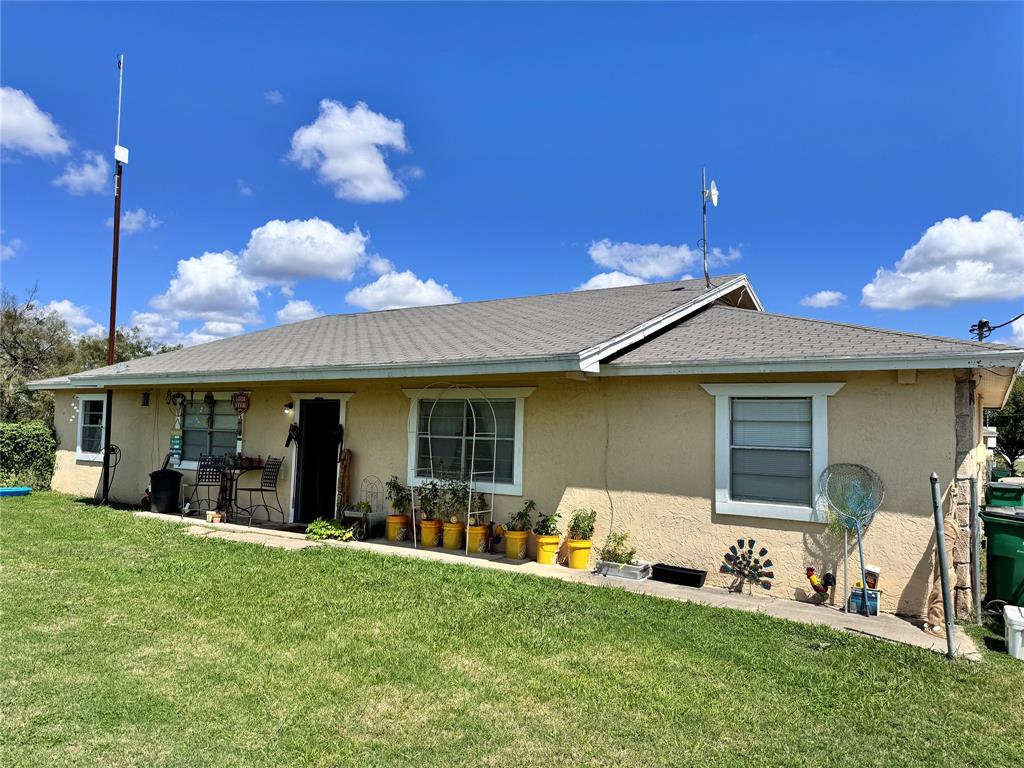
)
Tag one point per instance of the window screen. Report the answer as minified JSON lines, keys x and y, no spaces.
{"x":200,"y":437}
{"x":457,"y":438}
{"x":771,"y":450}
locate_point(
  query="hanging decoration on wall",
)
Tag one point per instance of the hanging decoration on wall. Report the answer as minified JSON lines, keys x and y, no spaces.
{"x":209,"y":401}
{"x":749,"y":567}
{"x":240,"y":402}
{"x":176,"y":403}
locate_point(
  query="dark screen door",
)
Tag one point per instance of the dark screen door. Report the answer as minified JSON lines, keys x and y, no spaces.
{"x":317,"y":461}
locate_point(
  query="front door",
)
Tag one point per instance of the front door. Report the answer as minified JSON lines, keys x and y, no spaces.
{"x":316,"y":461}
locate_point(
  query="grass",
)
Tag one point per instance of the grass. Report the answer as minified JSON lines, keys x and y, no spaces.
{"x":127,"y":643}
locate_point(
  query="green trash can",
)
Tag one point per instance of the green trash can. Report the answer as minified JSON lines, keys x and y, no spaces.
{"x":1004,"y":558}
{"x":1004,"y":495}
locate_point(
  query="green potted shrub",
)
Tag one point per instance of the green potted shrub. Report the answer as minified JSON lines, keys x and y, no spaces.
{"x":454,"y":502}
{"x":321,"y":529}
{"x":581,"y":538}
{"x":476,"y":530}
{"x":401,"y":499}
{"x":517,"y":531}
{"x":546,"y":531}
{"x":428,"y":497}
{"x":616,"y":558}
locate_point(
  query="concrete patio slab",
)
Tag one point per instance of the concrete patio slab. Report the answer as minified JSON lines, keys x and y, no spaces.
{"x":895,"y":629}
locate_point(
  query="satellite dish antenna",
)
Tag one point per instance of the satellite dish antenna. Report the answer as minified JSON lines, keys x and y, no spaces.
{"x":713,"y":194}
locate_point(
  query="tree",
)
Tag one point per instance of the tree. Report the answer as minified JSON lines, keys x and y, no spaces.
{"x":1009,"y":423}
{"x":38,"y":344}
{"x":34,"y":344}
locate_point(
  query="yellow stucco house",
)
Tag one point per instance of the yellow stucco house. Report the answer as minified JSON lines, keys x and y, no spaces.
{"x":684,"y":414}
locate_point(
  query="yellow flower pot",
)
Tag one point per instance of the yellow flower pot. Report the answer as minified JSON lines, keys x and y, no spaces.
{"x":515,"y":544}
{"x":547,"y":549}
{"x":397,"y":527}
{"x":430,"y":533}
{"x":477,"y":536}
{"x":579,"y":553}
{"x":453,"y":535}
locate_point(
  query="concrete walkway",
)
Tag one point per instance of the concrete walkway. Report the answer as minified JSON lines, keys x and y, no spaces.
{"x":884,"y":627}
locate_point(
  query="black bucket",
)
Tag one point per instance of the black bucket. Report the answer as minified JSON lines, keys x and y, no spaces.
{"x":165,"y":488}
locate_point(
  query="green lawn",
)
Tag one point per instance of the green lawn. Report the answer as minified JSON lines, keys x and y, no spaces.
{"x":126,"y":642}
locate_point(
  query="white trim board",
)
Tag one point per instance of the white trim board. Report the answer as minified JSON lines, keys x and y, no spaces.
{"x":79,"y":454}
{"x":464,"y":392}
{"x":819,"y":392}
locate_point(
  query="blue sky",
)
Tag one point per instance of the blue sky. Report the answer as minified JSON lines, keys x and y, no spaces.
{"x":514,"y":149}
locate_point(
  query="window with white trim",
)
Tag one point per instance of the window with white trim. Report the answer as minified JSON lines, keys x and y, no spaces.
{"x":91,"y":423}
{"x":468,"y":434}
{"x":466,"y":440}
{"x":771,"y":445}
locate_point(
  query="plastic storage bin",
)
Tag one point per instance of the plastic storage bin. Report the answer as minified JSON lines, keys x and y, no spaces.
{"x":856,"y":602}
{"x":165,"y":487}
{"x":1004,"y":495}
{"x":1013,"y":620}
{"x":1004,"y":556}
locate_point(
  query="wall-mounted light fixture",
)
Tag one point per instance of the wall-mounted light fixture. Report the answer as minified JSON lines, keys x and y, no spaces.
{"x":145,"y":399}
{"x":289,"y":408}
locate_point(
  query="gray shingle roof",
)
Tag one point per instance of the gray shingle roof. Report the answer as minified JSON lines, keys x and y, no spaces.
{"x":499,"y":330}
{"x":722,"y":334}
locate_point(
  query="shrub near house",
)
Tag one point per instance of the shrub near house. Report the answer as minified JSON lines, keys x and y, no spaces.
{"x":27,"y":454}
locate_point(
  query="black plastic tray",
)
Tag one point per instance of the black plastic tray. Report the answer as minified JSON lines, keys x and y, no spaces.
{"x":676,"y":574}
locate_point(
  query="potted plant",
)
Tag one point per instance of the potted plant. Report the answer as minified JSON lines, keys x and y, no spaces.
{"x":400,"y":498}
{"x":455,"y":496}
{"x":216,"y":516}
{"x":476,"y":529}
{"x":517,"y":531}
{"x":429,"y":496}
{"x":617,"y":558}
{"x":581,"y":535}
{"x":546,"y":531}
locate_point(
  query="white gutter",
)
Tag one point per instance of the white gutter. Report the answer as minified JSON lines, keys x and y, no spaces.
{"x":1011,"y":358}
{"x":590,"y":358}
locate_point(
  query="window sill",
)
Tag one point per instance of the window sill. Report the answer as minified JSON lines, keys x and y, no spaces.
{"x":768,"y":510}
{"x":499,"y":489}
{"x":188,"y":465}
{"x":92,"y":458}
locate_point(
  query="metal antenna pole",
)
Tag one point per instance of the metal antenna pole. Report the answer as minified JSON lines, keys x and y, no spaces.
{"x":704,"y":208}
{"x":112,"y":329}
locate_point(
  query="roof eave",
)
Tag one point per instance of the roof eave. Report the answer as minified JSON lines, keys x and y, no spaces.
{"x":554,"y":363}
{"x":1012,"y":359}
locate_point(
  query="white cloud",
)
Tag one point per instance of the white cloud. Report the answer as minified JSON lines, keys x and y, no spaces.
{"x":344,"y":145}
{"x":27,"y":129}
{"x":211,"y":288}
{"x":76,"y":317}
{"x":296,"y":310}
{"x":379,"y":265}
{"x":274,"y":97}
{"x":166,"y":329}
{"x":823,"y":299}
{"x":955,"y":260}
{"x":90,"y":175}
{"x":284,"y":251}
{"x":395,"y":290}
{"x":243,"y":188}
{"x":11,"y":247}
{"x":609,"y":280}
{"x":136,"y":221}
{"x":1018,"y":331}
{"x":652,"y":260}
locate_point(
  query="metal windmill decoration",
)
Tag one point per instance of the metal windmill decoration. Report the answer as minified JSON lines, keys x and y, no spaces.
{"x":854,"y":493}
{"x":747,"y":565}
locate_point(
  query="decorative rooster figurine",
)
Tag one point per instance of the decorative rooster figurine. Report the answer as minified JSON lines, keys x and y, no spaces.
{"x":820,"y":584}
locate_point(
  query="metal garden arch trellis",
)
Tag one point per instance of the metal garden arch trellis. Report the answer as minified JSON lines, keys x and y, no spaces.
{"x":474,"y":393}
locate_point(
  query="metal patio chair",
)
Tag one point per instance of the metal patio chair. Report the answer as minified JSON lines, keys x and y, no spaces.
{"x":209,"y":474}
{"x":267,"y":489}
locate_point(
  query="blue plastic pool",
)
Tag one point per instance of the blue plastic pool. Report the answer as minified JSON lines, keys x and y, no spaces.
{"x":20,"y":491}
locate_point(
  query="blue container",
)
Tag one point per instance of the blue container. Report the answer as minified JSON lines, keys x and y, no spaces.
{"x":18,"y":491}
{"x":856,"y":602}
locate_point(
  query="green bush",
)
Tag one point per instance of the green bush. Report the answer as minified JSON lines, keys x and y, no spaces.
{"x":329,"y":529}
{"x":27,"y":454}
{"x":617,"y":550}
